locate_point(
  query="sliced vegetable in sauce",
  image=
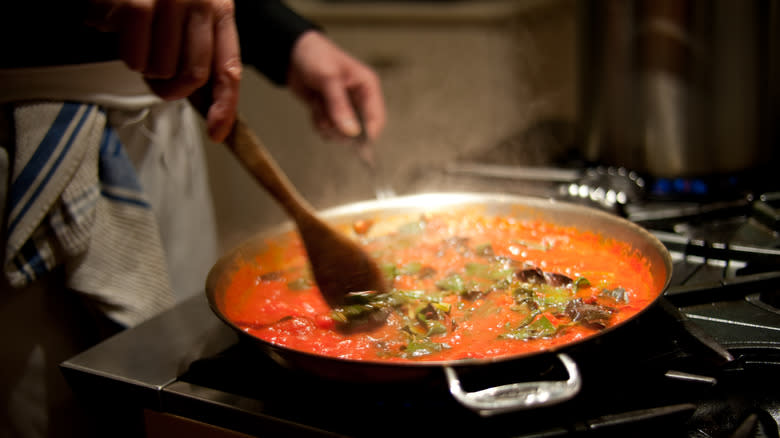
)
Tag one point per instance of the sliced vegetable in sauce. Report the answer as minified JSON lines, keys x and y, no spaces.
{"x":461,"y":286}
{"x":617,"y":294}
{"x":539,"y":328}
{"x":421,"y":347}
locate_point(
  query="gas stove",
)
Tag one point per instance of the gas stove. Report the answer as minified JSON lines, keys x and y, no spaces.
{"x":701,"y":363}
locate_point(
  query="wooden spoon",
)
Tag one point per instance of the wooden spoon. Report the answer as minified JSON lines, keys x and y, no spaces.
{"x":339,"y":264}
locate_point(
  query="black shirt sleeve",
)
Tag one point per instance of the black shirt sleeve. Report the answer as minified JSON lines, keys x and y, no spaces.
{"x":50,"y":32}
{"x":267,"y":31}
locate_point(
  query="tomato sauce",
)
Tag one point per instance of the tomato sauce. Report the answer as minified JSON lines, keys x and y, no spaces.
{"x":462,"y":286}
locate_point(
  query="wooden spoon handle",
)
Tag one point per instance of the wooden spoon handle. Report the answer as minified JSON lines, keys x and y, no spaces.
{"x":254,"y":156}
{"x":251,"y":152}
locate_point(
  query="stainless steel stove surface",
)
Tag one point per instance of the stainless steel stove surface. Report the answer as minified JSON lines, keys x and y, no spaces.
{"x":702,"y":363}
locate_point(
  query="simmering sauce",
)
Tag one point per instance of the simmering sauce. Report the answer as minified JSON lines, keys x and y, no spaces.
{"x":461,"y":286}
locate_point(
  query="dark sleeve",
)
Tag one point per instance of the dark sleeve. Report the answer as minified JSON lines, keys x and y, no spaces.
{"x":267,"y":31}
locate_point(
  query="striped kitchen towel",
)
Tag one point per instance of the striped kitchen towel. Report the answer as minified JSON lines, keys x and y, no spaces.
{"x":74,"y":200}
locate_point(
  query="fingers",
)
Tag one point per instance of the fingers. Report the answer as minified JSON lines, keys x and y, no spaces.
{"x":368,"y":98}
{"x":368,"y":106}
{"x":167,"y":33}
{"x":179,"y":46}
{"x":226,"y":75}
{"x":135,"y":34}
{"x":323,"y":124}
{"x":338,"y":89}
{"x":195,"y":63}
{"x":179,"y":76}
{"x":357,"y":99}
{"x":339,"y":108}
{"x":342,"y":108}
{"x":184,"y":47}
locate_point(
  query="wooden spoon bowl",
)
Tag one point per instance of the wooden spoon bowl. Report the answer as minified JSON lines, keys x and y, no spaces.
{"x":338,"y":263}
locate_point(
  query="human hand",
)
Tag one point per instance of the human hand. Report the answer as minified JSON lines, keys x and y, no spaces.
{"x":330,"y":82}
{"x":179,"y":46}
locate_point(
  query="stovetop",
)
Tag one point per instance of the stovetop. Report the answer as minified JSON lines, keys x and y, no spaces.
{"x":651,"y":377}
{"x":702,"y":362}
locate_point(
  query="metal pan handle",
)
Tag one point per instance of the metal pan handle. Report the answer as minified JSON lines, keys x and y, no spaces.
{"x":517,"y":396}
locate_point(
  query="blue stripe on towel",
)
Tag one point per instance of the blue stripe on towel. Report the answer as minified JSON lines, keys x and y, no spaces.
{"x":127,"y":200}
{"x":33,"y":258}
{"x":20,"y":267}
{"x":115,"y":168}
{"x":43,"y":155}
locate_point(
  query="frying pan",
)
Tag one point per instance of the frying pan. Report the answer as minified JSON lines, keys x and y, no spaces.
{"x":513,"y":396}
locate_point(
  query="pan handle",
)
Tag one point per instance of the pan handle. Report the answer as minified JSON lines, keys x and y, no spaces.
{"x":517,"y":396}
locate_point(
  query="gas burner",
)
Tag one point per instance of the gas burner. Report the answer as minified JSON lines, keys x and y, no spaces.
{"x":625,"y":192}
{"x":610,"y":187}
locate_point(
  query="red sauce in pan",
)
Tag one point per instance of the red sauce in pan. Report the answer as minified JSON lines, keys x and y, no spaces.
{"x":463,"y":286}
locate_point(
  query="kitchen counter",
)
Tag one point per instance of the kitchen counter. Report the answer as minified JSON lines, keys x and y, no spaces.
{"x":142,"y":361}
{"x":127,"y":374}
